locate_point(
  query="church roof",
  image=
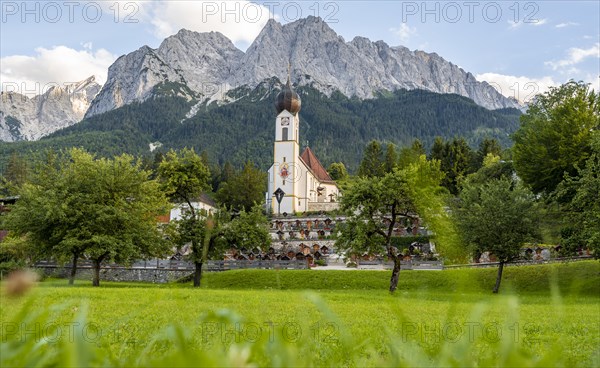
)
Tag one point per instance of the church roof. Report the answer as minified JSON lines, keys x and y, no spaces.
{"x":313,"y":164}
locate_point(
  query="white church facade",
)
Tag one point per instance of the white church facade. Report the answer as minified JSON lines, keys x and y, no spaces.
{"x":297,"y":181}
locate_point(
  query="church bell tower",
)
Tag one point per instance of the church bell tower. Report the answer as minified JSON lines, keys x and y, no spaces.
{"x":286,"y":171}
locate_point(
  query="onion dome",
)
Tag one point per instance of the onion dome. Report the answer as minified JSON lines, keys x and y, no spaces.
{"x":288,"y":100}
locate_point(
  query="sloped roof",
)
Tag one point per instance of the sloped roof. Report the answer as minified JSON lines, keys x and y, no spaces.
{"x":314,"y":165}
{"x":205,"y":198}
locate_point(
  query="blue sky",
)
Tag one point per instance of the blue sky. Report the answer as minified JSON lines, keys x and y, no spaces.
{"x":520,"y":47}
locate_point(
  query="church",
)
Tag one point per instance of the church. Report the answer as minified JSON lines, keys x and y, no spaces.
{"x":297,"y":181}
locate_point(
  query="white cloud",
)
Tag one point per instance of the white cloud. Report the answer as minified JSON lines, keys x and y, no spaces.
{"x":566,"y":24}
{"x":404,"y":32}
{"x":522,"y":89}
{"x":31,"y":75}
{"x":240,"y":21}
{"x":593,"y":80}
{"x":575,"y":55}
{"x":512,"y":25}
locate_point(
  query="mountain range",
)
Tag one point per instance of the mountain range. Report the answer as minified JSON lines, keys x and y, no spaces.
{"x":30,"y":118}
{"x":201,"y":68}
{"x":337,"y":128}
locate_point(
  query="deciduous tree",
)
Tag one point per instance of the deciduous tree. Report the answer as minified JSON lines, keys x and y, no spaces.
{"x":375,"y":205}
{"x":184,"y":177}
{"x":496,"y":216}
{"x":555,"y":135}
{"x":243,"y":189}
{"x":338,"y":171}
{"x":99,"y":208}
{"x":584,"y":208}
{"x":248,"y":230}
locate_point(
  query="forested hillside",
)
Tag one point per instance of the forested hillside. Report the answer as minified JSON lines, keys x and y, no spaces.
{"x":336,"y":127}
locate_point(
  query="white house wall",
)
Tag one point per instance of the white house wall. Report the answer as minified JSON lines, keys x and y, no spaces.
{"x":178,"y":210}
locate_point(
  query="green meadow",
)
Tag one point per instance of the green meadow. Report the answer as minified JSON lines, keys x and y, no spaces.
{"x":546,"y":315}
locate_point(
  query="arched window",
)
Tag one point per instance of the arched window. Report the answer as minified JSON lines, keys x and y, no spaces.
{"x":284,"y":134}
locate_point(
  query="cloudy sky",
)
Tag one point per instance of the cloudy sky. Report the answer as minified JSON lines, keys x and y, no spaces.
{"x":520,"y":47}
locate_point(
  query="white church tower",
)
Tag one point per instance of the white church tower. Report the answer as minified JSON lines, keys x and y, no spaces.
{"x":285,"y":171}
{"x":297,"y":182}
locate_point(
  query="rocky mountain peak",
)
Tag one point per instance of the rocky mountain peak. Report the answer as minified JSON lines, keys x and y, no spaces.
{"x":192,"y":38}
{"x":207,"y":65}
{"x":209,"y":62}
{"x":356,"y":68}
{"x":24,"y":118}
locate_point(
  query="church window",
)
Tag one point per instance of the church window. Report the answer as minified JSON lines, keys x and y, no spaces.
{"x":284,"y":134}
{"x":284,"y":159}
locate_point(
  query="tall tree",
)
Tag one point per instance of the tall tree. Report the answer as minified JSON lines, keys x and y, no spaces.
{"x":555,"y":135}
{"x":486,"y":147}
{"x":391,"y":158}
{"x":438,"y":149}
{"x":103,"y":209}
{"x":411,"y":155}
{"x":16,"y":170}
{"x":372,"y":163}
{"x":456,"y":159}
{"x":492,"y":168}
{"x":221,"y":175}
{"x":417,"y":146}
{"x":458,"y":164}
{"x":6,"y":187}
{"x":228,"y":171}
{"x":244,"y":189}
{"x":584,"y":208}
{"x":185,"y":177}
{"x":207,"y":231}
{"x":497,"y":216}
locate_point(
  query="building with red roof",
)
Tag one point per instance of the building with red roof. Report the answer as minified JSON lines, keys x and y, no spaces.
{"x":297,"y":182}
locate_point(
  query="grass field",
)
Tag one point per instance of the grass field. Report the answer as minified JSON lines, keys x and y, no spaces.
{"x":544,"y":316}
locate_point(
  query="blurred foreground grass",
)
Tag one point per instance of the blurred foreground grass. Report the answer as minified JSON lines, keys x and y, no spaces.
{"x":545,"y":316}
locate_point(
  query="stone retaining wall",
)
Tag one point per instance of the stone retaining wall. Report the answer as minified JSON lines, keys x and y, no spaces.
{"x":323,"y":206}
{"x":159,"y":276}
